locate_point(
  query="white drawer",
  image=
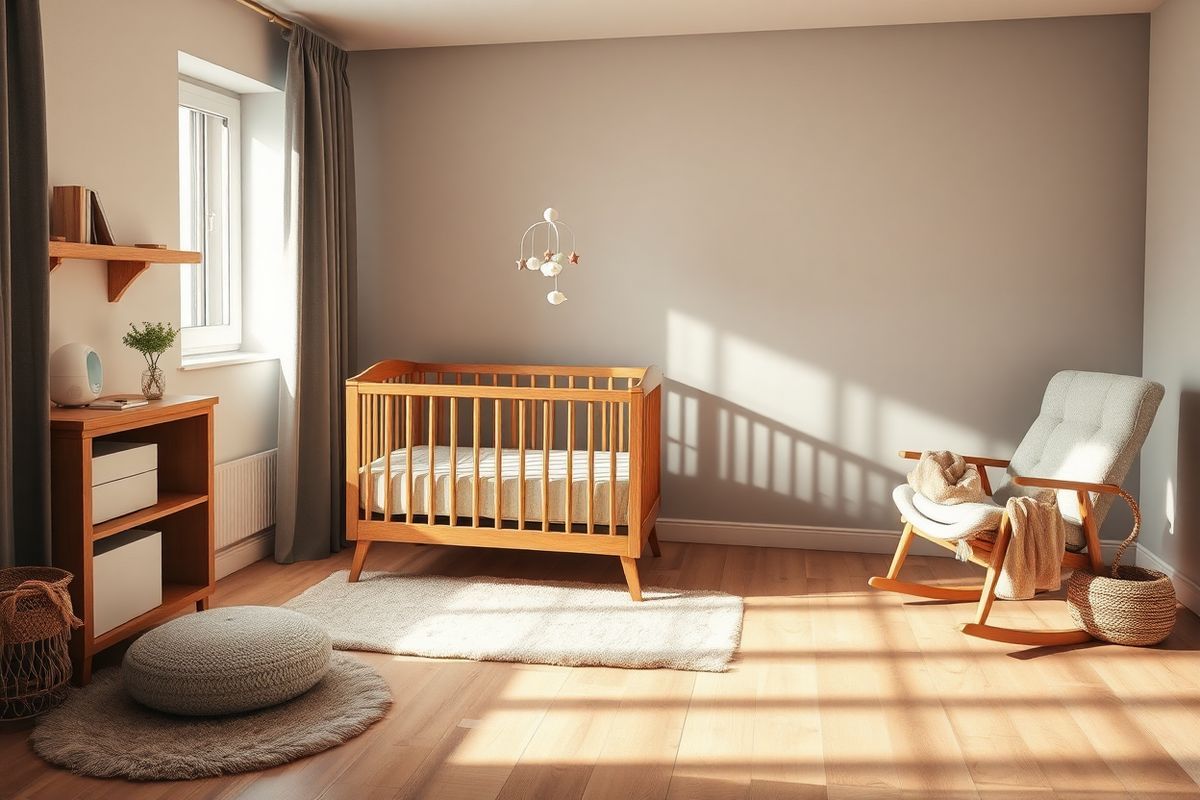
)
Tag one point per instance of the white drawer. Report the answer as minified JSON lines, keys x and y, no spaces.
{"x":126,"y":578}
{"x":122,"y":496}
{"x":112,"y":461}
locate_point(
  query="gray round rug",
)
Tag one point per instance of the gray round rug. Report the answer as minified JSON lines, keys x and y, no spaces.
{"x":103,"y":733}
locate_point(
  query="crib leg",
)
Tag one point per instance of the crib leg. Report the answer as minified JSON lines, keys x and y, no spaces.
{"x":360,"y":556}
{"x":631,"y":577}
{"x":654,"y":548}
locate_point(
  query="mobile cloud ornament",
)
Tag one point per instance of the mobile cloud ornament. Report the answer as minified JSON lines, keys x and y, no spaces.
{"x":553,"y":259}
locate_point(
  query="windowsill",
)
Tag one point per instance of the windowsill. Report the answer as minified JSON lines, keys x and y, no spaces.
{"x":211,"y":360}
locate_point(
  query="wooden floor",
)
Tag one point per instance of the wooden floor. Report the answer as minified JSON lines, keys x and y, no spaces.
{"x":838,"y":692}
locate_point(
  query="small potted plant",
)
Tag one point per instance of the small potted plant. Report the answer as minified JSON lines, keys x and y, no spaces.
{"x":152,"y":340}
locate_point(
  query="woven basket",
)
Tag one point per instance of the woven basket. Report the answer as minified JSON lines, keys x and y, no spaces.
{"x":35,"y":625}
{"x":1135,"y":606}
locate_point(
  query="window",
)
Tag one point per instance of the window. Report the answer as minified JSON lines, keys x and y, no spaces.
{"x":210,"y":218}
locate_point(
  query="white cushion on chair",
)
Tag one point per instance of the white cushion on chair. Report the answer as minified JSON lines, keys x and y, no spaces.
{"x":979,"y":517}
{"x":985,"y":515}
{"x":956,"y":521}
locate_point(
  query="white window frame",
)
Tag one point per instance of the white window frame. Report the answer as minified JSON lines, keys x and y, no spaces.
{"x":228,"y":337}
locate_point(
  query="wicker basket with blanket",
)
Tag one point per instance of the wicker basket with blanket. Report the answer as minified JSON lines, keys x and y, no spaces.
{"x":35,"y":624}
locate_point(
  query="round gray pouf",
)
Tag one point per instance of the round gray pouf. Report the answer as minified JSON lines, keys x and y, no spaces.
{"x":227,"y":661}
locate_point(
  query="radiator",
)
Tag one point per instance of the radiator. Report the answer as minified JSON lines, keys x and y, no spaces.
{"x":245,"y":495}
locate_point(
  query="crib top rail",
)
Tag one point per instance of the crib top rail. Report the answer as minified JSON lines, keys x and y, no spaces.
{"x":408,"y":377}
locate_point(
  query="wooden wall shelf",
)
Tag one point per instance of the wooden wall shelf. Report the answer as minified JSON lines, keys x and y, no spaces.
{"x":125,"y":262}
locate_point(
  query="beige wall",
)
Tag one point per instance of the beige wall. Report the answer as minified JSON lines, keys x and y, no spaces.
{"x":1171,"y":459}
{"x":111,"y":90}
{"x":836,"y":243}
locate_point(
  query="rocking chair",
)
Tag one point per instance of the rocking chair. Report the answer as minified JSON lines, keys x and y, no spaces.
{"x":1090,"y":429}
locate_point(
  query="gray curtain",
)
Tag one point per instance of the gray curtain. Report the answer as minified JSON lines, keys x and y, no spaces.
{"x":24,"y":292}
{"x":321,"y":243}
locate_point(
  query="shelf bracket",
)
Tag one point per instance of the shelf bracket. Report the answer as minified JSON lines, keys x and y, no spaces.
{"x":121,"y":274}
{"x":54,"y":262}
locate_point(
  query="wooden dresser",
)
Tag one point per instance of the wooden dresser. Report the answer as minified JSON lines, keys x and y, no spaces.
{"x":182,"y":428}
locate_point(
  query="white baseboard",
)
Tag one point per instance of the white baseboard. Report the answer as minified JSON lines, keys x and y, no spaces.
{"x":804,"y":537}
{"x":1186,"y":590}
{"x":245,"y":552}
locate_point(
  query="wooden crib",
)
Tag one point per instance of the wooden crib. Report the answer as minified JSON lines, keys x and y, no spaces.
{"x":562,"y":459}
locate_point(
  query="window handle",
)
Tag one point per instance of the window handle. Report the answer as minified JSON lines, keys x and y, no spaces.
{"x":210,"y":222}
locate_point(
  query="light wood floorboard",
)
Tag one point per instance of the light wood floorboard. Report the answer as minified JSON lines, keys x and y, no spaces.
{"x":838,"y":692}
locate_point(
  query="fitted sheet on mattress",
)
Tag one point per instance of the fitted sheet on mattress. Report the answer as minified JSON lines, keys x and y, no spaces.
{"x":509,"y":464}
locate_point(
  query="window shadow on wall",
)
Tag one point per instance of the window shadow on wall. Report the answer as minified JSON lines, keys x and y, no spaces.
{"x":722,"y":461}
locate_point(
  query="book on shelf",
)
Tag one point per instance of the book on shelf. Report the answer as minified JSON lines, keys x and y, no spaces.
{"x":77,"y":216}
{"x":71,"y":213}
{"x":101,"y":233}
{"x":119,"y":402}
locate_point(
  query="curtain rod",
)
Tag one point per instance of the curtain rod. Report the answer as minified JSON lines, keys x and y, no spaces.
{"x":268,"y":13}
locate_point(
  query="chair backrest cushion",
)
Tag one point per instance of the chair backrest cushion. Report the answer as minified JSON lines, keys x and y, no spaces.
{"x":1090,"y":428}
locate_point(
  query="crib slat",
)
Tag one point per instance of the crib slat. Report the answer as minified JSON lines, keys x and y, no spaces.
{"x":365,"y":420}
{"x":371,"y":401}
{"x":363,"y":455}
{"x":370,"y":432}
{"x":621,"y":427}
{"x":496,"y":452}
{"x":431,"y":480}
{"x":475,"y":461}
{"x":512,"y":418}
{"x":546,"y":431}
{"x":364,"y":416}
{"x":417,"y":411}
{"x":521,"y":465}
{"x":591,"y":464}
{"x":408,"y":469}
{"x":378,"y":425}
{"x":604,"y":426}
{"x":612,"y":473}
{"x":387,"y":449}
{"x":437,"y":437}
{"x":454,"y":460}
{"x":570,"y":456}
{"x":444,"y":411}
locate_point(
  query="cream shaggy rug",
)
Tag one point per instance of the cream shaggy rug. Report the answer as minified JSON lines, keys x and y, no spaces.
{"x":103,"y":733}
{"x":497,"y":619}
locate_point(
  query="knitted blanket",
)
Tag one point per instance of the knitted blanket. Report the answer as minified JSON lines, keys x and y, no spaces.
{"x":1033,"y":561}
{"x":943,"y":477}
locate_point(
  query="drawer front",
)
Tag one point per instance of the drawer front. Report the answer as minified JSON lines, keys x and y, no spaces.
{"x":112,"y":461}
{"x":126,"y":580}
{"x":123,"y":496}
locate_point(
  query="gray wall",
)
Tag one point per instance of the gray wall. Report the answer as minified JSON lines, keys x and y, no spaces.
{"x":1171,"y":458}
{"x":836,"y":243}
{"x":112,"y":77}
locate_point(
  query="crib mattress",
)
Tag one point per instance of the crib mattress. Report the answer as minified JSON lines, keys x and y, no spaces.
{"x":382,"y":481}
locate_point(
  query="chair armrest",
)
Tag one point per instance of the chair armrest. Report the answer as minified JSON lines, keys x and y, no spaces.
{"x":1078,"y":486}
{"x":978,"y":461}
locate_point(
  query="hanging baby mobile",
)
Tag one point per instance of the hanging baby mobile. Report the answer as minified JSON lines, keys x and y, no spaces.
{"x":553,"y":259}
